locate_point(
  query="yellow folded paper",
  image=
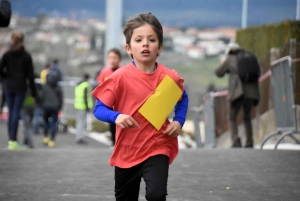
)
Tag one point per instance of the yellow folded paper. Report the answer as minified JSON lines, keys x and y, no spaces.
{"x":159,"y":105}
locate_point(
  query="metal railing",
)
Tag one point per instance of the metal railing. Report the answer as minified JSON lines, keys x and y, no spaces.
{"x":284,"y":101}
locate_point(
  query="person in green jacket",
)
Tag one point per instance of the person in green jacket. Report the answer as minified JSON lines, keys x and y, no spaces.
{"x":83,"y":103}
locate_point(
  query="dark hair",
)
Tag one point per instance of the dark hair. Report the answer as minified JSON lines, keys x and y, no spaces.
{"x":235,"y":51}
{"x":86,"y":76}
{"x":116,"y":51}
{"x":19,"y":36}
{"x":47,"y":66}
{"x":141,"y":19}
{"x":55,"y":61}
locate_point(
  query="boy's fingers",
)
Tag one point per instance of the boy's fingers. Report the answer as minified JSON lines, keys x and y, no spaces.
{"x":167,"y":131}
{"x":134,"y":122}
{"x":128,"y":121}
{"x":121,"y":126}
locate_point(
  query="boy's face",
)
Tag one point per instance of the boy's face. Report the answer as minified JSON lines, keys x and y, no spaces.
{"x":113,"y":59}
{"x":144,"y":44}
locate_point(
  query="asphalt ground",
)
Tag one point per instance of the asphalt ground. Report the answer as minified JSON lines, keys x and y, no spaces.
{"x":70,"y":172}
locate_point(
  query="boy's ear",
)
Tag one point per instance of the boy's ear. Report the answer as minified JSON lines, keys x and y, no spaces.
{"x":128,"y":49}
{"x":160,"y":47}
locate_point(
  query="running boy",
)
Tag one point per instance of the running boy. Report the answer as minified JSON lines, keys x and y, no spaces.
{"x":143,"y":94}
{"x":114,"y":58}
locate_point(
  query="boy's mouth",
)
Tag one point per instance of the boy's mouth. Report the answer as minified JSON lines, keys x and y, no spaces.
{"x":145,"y":52}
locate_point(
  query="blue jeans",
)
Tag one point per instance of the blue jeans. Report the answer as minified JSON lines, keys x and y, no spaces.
{"x":50,"y":122}
{"x":38,"y":113}
{"x":15,"y":102}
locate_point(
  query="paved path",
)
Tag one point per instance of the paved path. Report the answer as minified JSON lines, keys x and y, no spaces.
{"x":74,"y":173}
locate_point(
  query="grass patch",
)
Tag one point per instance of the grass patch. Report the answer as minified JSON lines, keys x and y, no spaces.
{"x":100,"y":127}
{"x":97,"y":126}
{"x":201,"y":73}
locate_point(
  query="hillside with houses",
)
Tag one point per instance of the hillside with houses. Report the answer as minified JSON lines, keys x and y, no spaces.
{"x":79,"y":46}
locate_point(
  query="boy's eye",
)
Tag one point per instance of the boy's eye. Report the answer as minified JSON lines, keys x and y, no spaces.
{"x":138,"y":40}
{"x":152,"y":40}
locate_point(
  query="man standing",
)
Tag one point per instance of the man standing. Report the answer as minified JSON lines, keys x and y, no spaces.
{"x":242,"y":93}
{"x":83,"y":104}
{"x":16,"y":70}
{"x":5,"y":13}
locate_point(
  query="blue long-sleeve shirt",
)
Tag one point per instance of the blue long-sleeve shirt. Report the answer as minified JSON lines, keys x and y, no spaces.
{"x":103,"y":113}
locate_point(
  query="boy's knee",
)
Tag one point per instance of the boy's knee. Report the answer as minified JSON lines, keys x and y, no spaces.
{"x":156,"y":196}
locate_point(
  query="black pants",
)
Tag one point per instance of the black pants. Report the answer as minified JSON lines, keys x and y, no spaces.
{"x":235,"y":106}
{"x":112,"y":129}
{"x":155,"y":174}
{"x":50,"y":122}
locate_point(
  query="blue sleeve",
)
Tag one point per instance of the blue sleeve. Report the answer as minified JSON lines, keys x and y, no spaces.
{"x":181,"y":109}
{"x":104,"y":113}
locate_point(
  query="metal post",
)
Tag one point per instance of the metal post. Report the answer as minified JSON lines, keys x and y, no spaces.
{"x":196,"y":118}
{"x":274,"y":55}
{"x":113,"y":25}
{"x":244,"y":14}
{"x":298,"y":10}
{"x":292,"y":52}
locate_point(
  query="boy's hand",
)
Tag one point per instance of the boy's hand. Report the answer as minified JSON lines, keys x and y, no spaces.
{"x":173,"y":129}
{"x":126,"y":121}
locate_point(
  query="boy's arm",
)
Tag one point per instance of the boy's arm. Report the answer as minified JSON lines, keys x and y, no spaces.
{"x":181,"y":109}
{"x":104,"y":113}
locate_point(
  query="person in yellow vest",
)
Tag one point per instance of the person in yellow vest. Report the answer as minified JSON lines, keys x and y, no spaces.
{"x":43,"y":75}
{"x":83,"y":103}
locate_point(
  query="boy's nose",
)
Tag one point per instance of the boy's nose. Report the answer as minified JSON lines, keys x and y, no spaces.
{"x":145,"y":43}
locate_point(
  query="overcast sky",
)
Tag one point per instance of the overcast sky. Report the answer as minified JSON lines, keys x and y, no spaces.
{"x":200,"y":13}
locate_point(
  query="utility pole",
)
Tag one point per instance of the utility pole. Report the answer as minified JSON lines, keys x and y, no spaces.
{"x":113,"y":25}
{"x":245,"y":13}
{"x":298,"y":10}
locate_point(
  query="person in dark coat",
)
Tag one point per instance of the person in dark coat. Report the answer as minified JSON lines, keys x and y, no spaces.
{"x":51,"y":103}
{"x":240,"y":95}
{"x":5,"y":13}
{"x":17,"y":72}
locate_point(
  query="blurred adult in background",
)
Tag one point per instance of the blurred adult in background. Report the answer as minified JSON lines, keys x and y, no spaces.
{"x":16,"y":71}
{"x":56,"y":69}
{"x":114,"y":59}
{"x":83,"y":104}
{"x":5,"y":13}
{"x":241,"y":93}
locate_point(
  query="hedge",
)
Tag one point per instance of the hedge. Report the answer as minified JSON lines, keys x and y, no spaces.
{"x":260,"y":39}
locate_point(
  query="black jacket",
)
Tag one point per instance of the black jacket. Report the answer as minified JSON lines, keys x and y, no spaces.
{"x":16,"y":71}
{"x":5,"y":13}
{"x":51,"y":97}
